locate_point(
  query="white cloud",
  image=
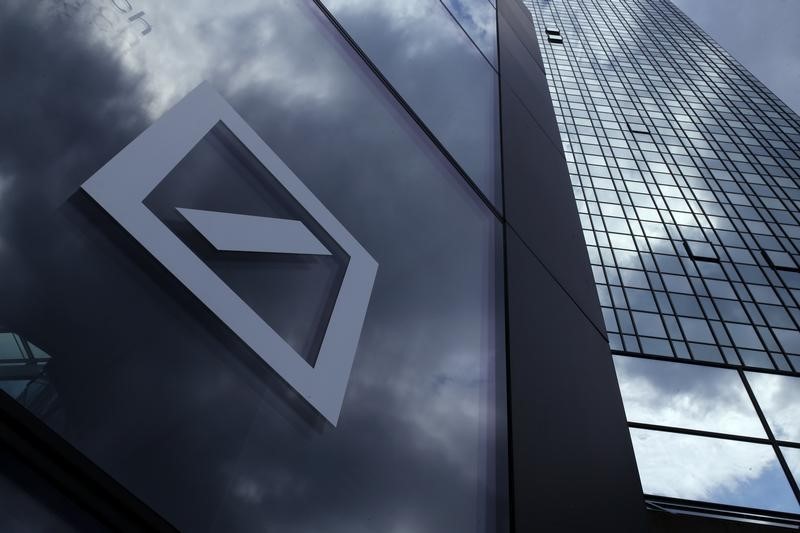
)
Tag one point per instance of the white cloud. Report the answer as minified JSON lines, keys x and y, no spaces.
{"x":686,"y":396}
{"x":700,"y":468}
{"x":779,"y":398}
{"x":792,"y":456}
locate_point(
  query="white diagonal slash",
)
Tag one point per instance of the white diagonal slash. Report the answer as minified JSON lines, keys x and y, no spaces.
{"x":231,"y":232}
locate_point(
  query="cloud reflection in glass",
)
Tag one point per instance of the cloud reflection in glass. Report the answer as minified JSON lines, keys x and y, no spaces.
{"x":686,"y":396}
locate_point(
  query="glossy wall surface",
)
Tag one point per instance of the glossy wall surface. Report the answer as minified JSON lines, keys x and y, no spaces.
{"x":111,"y":351}
{"x":441,"y":56}
{"x":30,"y":504}
{"x":572,"y":463}
{"x":482,"y":396}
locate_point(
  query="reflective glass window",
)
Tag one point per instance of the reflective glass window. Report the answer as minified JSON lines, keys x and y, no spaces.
{"x":145,"y":380}
{"x":711,"y":470}
{"x":431,"y":61}
{"x":779,"y":398}
{"x":792,"y":456}
{"x":479,"y":20}
{"x":686,"y":396}
{"x":707,"y":157}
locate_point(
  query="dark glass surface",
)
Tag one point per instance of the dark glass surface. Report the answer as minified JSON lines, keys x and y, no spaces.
{"x":431,"y":61}
{"x":31,"y":505}
{"x":479,"y":20}
{"x":149,"y":384}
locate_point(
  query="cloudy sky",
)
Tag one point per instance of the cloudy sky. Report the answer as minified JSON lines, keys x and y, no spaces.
{"x":761,"y":34}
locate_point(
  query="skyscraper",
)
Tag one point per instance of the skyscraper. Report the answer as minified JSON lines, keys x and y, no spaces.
{"x":317,"y":266}
{"x":686,"y":172}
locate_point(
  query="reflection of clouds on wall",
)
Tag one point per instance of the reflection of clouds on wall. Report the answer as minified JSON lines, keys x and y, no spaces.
{"x":412,"y":447}
{"x":684,"y":190}
{"x":792,"y":456}
{"x":236,"y":48}
{"x":478,"y":19}
{"x":5,"y":180}
{"x":759,"y":34}
{"x":716,"y":470}
{"x":438,"y":406}
{"x":65,"y":108}
{"x":398,"y":455}
{"x":245,"y":46}
{"x":779,"y":398}
{"x":686,"y":396}
{"x":710,"y":399}
{"x":438,"y":71}
{"x":715,"y":200}
{"x":415,"y":18}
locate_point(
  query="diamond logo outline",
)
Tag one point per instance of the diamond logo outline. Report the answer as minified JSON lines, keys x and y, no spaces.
{"x":121,"y":186}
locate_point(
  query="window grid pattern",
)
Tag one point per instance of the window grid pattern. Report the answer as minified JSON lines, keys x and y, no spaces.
{"x":718,"y":170}
{"x":686,"y":173}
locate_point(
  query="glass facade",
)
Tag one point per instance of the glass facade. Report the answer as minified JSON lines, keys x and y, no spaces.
{"x":105,"y":346}
{"x":31,"y":504}
{"x":686,"y":173}
{"x":187,"y":188}
{"x":441,"y":56}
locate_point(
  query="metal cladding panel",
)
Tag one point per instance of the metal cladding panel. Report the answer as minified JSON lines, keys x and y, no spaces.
{"x":572,"y":459}
{"x":573,"y":465}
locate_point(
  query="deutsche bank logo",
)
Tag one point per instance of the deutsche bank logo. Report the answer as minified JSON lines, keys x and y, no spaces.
{"x":122,"y":185}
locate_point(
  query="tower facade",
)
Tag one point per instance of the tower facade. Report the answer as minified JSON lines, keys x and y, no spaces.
{"x":318,"y":265}
{"x":686,"y":172}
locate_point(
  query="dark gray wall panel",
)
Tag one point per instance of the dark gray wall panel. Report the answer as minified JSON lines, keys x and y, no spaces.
{"x":539,"y":203}
{"x":572,"y":458}
{"x":47,"y":485}
{"x":573,"y":461}
{"x":661,"y":522}
{"x":527,"y":81}
{"x":540,"y":206}
{"x":519,"y":19}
